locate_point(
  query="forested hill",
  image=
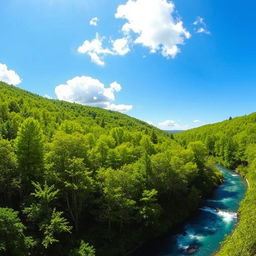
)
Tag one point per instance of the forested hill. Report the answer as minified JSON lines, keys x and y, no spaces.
{"x":51,"y":113}
{"x":83,"y":181}
{"x":233,"y":143}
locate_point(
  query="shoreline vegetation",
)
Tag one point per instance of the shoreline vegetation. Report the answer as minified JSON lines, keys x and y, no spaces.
{"x":234,"y":142}
{"x":177,"y":230}
{"x":83,"y":181}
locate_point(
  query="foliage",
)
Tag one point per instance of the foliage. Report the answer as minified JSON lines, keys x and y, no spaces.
{"x":76,"y":173}
{"x":12,"y":238}
{"x":84,"y":250}
{"x":233,"y":143}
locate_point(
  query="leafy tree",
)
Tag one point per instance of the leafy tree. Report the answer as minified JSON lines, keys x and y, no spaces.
{"x":84,"y":250}
{"x":30,"y":151}
{"x":150,"y":209}
{"x":12,"y":238}
{"x":147,"y":145}
{"x":154,"y":138}
{"x":4,"y":112}
{"x":200,"y":152}
{"x":45,"y":218}
{"x":9,"y":183}
{"x":78,"y":186}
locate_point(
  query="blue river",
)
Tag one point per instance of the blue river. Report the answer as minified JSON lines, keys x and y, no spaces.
{"x":203,"y":233}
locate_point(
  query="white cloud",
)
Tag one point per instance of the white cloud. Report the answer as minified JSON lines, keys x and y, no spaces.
{"x":95,"y":50}
{"x":201,"y":26}
{"x":199,"y":20}
{"x":9,"y":76}
{"x":121,"y":46}
{"x":47,"y":96}
{"x":116,"y":86}
{"x":90,"y":91}
{"x":203,"y":31}
{"x":154,"y":24}
{"x":172,"y":125}
{"x":167,"y":123}
{"x":94,"y":21}
{"x":119,"y":107}
{"x":197,"y":121}
{"x":150,"y":122}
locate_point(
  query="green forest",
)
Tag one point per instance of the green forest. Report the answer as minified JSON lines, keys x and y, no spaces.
{"x":83,"y":181}
{"x":233,"y":144}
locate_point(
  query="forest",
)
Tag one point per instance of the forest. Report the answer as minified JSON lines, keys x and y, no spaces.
{"x":83,"y":181}
{"x":233,"y":144}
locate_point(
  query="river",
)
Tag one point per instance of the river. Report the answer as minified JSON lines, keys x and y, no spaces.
{"x":202,"y":234}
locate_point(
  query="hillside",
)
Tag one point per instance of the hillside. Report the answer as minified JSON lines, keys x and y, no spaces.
{"x":77,"y":179}
{"x":233,"y":143}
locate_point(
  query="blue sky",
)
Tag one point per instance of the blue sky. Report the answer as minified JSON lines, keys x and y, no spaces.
{"x":211,"y":77}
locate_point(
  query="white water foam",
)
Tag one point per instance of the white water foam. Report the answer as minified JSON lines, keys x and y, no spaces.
{"x":184,"y":241}
{"x":225,"y":215}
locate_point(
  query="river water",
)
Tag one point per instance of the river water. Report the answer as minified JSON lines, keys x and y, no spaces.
{"x":202,"y":234}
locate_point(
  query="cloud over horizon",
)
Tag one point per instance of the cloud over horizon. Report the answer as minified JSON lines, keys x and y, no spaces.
{"x":9,"y":76}
{"x":89,"y":91}
{"x":172,"y":125}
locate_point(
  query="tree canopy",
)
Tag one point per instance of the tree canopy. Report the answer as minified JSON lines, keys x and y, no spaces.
{"x":78,"y":180}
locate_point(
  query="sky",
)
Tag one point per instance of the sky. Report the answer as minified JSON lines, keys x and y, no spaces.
{"x":175,"y":64}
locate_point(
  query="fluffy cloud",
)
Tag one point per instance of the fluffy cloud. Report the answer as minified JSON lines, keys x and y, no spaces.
{"x":156,"y":28}
{"x":94,"y":21}
{"x":201,"y":26}
{"x":9,"y":76}
{"x":95,"y":50}
{"x":121,"y":46}
{"x":90,"y":91}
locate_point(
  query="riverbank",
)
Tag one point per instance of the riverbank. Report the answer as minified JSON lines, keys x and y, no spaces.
{"x":203,"y":232}
{"x":242,"y":242}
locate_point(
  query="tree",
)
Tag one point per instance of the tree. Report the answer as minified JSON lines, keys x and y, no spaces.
{"x":77,"y":186}
{"x":4,"y":112}
{"x":147,"y":145}
{"x":63,"y":148}
{"x":154,"y":138}
{"x":46,"y":219}
{"x":12,"y":238}
{"x":200,"y":152}
{"x":150,"y":209}
{"x":118,"y":204}
{"x":30,"y":151}
{"x":84,"y":250}
{"x":9,"y":183}
{"x":118,"y":135}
